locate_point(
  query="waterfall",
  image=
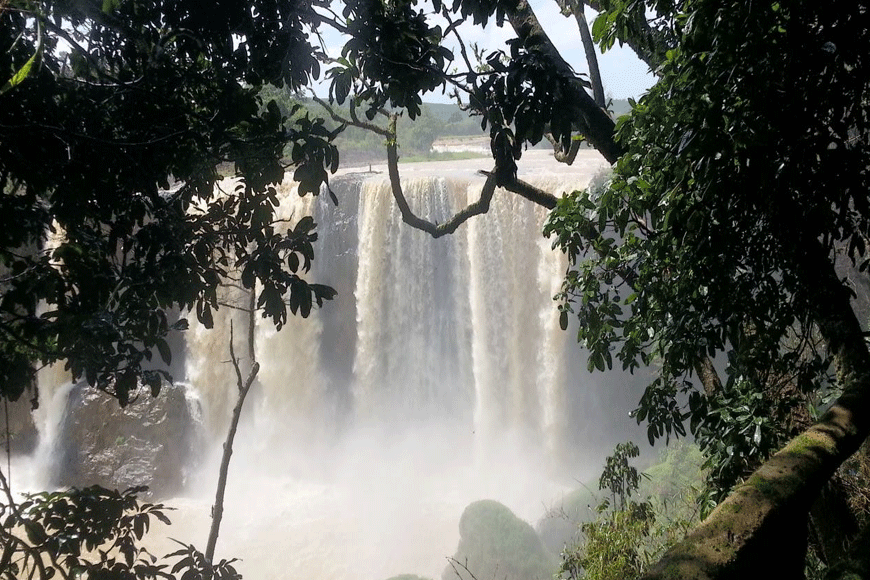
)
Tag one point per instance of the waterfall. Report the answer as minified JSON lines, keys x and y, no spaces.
{"x":459,"y":330}
{"x":413,"y":357}
{"x":437,"y":377}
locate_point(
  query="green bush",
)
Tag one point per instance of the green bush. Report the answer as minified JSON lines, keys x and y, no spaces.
{"x":625,"y":535}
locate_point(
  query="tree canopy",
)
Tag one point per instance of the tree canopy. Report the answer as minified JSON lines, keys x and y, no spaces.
{"x":725,"y":234}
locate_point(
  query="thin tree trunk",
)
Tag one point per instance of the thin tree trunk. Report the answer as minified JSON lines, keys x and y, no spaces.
{"x":217,"y":510}
{"x":591,"y":57}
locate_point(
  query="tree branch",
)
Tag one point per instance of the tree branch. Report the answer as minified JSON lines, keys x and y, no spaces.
{"x":562,"y":156}
{"x":436,"y":230}
{"x":594,"y":122}
{"x":528,"y":191}
{"x":354,"y":121}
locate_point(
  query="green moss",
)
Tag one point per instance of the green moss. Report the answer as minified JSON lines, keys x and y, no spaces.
{"x":495,"y":543}
{"x":733,"y":508}
{"x":804,"y":444}
{"x":765,"y":487}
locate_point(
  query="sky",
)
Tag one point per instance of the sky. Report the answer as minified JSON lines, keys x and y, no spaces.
{"x":623,"y":74}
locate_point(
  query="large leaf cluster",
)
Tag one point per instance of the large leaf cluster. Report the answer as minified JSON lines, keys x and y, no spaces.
{"x":520,"y":95}
{"x":109,"y":156}
{"x":746,"y":172}
{"x":394,"y":50}
{"x":93,"y":533}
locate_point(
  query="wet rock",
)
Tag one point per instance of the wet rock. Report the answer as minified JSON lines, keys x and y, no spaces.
{"x":17,"y":429}
{"x":149,"y":442}
{"x":494,"y":543}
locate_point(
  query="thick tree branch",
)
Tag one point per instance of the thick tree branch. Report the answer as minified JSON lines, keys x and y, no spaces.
{"x":436,"y":230}
{"x":562,"y":156}
{"x":594,"y":122}
{"x":528,"y":191}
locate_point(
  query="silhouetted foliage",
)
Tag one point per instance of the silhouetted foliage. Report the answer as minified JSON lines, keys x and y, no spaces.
{"x":109,"y":148}
{"x":92,"y":533}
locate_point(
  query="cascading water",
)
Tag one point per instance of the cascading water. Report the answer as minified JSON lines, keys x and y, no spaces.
{"x":438,"y":377}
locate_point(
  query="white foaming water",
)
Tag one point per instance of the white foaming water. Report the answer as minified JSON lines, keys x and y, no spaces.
{"x":34,"y":472}
{"x":438,"y":377}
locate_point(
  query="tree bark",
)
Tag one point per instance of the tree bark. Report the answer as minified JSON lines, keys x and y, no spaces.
{"x":594,"y":122}
{"x":708,"y":376}
{"x":765,"y":517}
{"x":591,"y":57}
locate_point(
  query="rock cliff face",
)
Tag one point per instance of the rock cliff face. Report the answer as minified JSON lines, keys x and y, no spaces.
{"x":17,"y":429}
{"x":149,"y":442}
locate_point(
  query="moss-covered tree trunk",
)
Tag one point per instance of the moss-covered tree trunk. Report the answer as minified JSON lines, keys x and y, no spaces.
{"x":764,"y":520}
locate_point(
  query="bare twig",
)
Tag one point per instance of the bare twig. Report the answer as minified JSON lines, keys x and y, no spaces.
{"x":452,"y":28}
